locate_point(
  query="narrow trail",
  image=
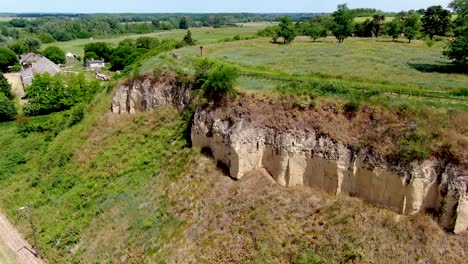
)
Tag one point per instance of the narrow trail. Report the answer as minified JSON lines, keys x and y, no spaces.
{"x":14,"y":242}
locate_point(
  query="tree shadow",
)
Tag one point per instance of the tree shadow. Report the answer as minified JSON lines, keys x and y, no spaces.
{"x":439,"y":68}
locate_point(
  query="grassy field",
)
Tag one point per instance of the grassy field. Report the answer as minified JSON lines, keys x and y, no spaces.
{"x":202,"y":35}
{"x":362,"y":19}
{"x":361,"y":60}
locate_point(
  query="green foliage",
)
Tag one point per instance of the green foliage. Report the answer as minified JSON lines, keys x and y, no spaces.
{"x":364,"y":29}
{"x":183,"y":23}
{"x":286,"y":30}
{"x":33,"y":44}
{"x":7,"y":108}
{"x":188,"y":40}
{"x":415,"y":145}
{"x":351,"y":107}
{"x":343,"y":23}
{"x":101,"y":49}
{"x":55,"y":54}
{"x":18,"y":48}
{"x":411,"y":25}
{"x":5,"y":87}
{"x":49,"y":94}
{"x":457,"y":49}
{"x":147,"y":43}
{"x":436,"y":21}
{"x":16,"y":68}
{"x":220,"y":82}
{"x":309,"y":258}
{"x":90,"y":56}
{"x":124,"y":56}
{"x":7,"y":58}
{"x":394,"y":28}
{"x":315,"y":30}
{"x":46,"y":38}
{"x":76,"y":114}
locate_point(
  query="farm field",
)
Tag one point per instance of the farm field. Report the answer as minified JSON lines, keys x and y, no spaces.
{"x":361,"y":60}
{"x":202,"y":35}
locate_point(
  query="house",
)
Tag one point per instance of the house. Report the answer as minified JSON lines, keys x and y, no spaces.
{"x":29,"y":58}
{"x":42,"y":66}
{"x":95,"y":64}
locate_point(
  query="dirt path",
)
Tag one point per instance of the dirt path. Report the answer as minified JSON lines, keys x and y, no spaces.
{"x":12,"y":243}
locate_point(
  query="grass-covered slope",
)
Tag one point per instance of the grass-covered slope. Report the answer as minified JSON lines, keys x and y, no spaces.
{"x":129,"y":189}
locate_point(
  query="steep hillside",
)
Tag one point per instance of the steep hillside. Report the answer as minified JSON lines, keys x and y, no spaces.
{"x":130,"y":189}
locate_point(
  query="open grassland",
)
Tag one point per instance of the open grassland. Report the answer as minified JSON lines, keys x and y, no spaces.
{"x":202,"y":35}
{"x":359,"y":60}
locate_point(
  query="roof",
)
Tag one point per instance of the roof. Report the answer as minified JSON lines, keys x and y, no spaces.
{"x":95,"y":61}
{"x":27,"y":76}
{"x":30,"y":57}
{"x":42,"y":66}
{"x":45,"y":65}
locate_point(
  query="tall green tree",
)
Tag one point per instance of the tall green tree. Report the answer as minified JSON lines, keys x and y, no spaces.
{"x":7,"y":58}
{"x":183,"y":23}
{"x":436,"y":21}
{"x":411,"y":25}
{"x":457,"y":49}
{"x":287,"y":30}
{"x":33,"y":44}
{"x":5,"y":87}
{"x":55,"y":54}
{"x":315,"y":31}
{"x":343,"y":23}
{"x":394,"y":28}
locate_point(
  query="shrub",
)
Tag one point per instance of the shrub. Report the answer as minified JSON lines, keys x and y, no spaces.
{"x":430,"y":42}
{"x":16,"y":68}
{"x":77,"y":114}
{"x":7,"y":108}
{"x":220,"y":82}
{"x":351,"y":107}
{"x":55,"y":54}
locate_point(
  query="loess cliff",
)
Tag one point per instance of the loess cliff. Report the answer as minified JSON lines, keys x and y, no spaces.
{"x":322,"y":147}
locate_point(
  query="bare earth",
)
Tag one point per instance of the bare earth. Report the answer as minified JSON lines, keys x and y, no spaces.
{"x":12,"y":243}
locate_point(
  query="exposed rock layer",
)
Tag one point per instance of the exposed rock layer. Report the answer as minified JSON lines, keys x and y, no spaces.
{"x":308,"y":157}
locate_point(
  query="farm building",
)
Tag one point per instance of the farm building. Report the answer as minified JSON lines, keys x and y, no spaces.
{"x":71,"y":58}
{"x":29,"y":58}
{"x":95,"y":64}
{"x":43,"y":65}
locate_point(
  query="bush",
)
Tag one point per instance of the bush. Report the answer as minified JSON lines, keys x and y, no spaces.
{"x":55,"y":54}
{"x":351,"y":107}
{"x":77,"y":114}
{"x":7,"y":108}
{"x":16,"y":68}
{"x":220,"y":82}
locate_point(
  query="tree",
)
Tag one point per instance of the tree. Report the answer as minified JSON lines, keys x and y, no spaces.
{"x":147,"y":43}
{"x":183,"y":23}
{"x":394,"y":28}
{"x":436,"y":21}
{"x":220,"y":82}
{"x":7,"y":108}
{"x":411,"y":25}
{"x":5,"y":87}
{"x":46,"y":38}
{"x":343,"y":23}
{"x":123,"y":56}
{"x":315,"y":31}
{"x":101,"y":49}
{"x":18,"y":48}
{"x":188,"y":40}
{"x":364,"y":29}
{"x":7,"y":58}
{"x":55,"y":54}
{"x":377,"y":21}
{"x":457,"y":49}
{"x":33,"y":44}
{"x":287,"y":30}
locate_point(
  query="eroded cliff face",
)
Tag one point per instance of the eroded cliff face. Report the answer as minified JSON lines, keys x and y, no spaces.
{"x":298,"y":153}
{"x":148,"y":92}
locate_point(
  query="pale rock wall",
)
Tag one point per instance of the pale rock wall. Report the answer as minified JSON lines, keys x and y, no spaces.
{"x":300,"y":158}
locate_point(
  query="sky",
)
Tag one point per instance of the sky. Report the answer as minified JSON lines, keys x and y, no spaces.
{"x":205,"y":6}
